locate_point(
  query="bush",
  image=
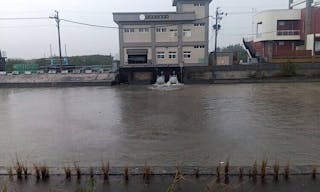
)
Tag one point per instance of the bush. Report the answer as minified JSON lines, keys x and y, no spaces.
{"x":289,"y":69}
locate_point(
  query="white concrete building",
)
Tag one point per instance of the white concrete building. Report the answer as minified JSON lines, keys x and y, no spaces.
{"x":164,"y":41}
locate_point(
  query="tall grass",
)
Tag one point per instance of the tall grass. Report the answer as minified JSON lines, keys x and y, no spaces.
{"x":91,"y":172}
{"x":19,"y":169}
{"x":25,"y":171}
{"x":226,"y":172}
{"x":67,"y":172}
{"x":37,"y":171}
{"x":105,"y":170}
{"x":254,"y":171}
{"x":264,"y":169}
{"x":44,"y":172}
{"x":146,"y":172}
{"x":10,"y":172}
{"x":240,"y":173}
{"x":78,"y":170}
{"x":196,"y":172}
{"x":287,"y":171}
{"x":218,"y":172}
{"x":276,"y":168}
{"x":126,"y":173}
{"x":4,"y":188}
{"x":176,"y":180}
{"x":314,"y":172}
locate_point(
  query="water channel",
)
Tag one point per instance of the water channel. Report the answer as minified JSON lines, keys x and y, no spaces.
{"x":191,"y":124}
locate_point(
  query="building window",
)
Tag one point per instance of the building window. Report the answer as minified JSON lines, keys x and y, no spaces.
{"x":317,"y":46}
{"x":172,"y":55}
{"x":174,"y":32}
{"x":137,"y":56}
{"x":129,"y":30}
{"x":160,"y":55}
{"x":288,"y":27}
{"x":187,"y":32}
{"x":199,"y":4}
{"x":281,"y":43}
{"x":143,"y":30}
{"x":199,"y":24}
{"x":187,"y":54}
{"x":282,"y":23}
{"x":199,"y":46}
{"x":161,"y":30}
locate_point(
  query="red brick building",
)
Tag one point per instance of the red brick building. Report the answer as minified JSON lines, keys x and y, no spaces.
{"x":280,"y":36}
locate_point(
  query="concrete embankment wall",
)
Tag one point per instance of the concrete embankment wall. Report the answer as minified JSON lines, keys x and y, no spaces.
{"x":260,"y":73}
{"x":57,"y":80}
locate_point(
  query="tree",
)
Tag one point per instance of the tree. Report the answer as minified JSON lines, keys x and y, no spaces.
{"x":239,"y":50}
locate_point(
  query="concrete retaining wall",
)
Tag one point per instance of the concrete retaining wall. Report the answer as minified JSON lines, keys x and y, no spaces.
{"x":57,"y":80}
{"x":247,"y":73}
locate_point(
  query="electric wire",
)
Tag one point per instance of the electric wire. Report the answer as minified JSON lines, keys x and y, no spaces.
{"x":90,"y":25}
{"x":22,"y":18}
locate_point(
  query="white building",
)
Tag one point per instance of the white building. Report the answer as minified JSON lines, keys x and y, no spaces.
{"x":151,"y":42}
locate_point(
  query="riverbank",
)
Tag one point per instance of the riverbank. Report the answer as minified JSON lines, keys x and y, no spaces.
{"x":301,"y":79}
{"x":109,"y":79}
{"x":57,"y":80}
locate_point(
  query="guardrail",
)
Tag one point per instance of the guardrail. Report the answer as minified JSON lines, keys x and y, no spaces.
{"x":288,"y":32}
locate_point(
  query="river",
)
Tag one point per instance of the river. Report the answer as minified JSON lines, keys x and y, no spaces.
{"x":189,"y":125}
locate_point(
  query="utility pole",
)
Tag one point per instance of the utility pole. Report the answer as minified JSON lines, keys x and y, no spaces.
{"x":57,"y":19}
{"x":290,"y":4}
{"x":51,"y":51}
{"x":217,"y":27}
{"x":65,"y":50}
{"x":308,"y":17}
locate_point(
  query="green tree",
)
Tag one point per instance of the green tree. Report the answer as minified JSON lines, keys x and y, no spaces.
{"x":239,"y":50}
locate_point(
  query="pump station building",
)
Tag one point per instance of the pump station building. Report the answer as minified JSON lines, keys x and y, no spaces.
{"x":155,"y":42}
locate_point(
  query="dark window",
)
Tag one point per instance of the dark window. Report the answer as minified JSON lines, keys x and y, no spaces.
{"x":288,"y":25}
{"x":137,"y":59}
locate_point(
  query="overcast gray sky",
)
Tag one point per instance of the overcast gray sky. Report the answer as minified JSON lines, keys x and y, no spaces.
{"x":31,"y":38}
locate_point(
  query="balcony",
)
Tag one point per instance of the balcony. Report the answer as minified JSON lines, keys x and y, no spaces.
{"x":288,"y":32}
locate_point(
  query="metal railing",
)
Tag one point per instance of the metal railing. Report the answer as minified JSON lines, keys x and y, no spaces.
{"x":288,"y":32}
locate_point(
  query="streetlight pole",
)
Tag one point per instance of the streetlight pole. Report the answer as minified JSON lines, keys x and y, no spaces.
{"x":57,"y":19}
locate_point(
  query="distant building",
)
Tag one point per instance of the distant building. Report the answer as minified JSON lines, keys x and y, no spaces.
{"x":151,"y":42}
{"x":281,"y":34}
{"x":223,"y":58}
{"x":2,"y":62}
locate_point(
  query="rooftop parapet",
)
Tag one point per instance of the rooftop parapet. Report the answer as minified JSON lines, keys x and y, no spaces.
{"x":174,"y":2}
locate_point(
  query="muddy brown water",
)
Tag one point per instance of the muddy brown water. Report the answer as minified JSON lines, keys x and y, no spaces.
{"x":189,"y":125}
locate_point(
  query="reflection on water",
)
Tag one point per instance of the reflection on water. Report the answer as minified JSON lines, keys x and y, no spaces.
{"x":195,"y":125}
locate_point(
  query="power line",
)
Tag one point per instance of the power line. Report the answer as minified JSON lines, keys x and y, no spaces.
{"x":112,"y":27}
{"x":22,"y":18}
{"x":90,"y":25}
{"x":24,"y":26}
